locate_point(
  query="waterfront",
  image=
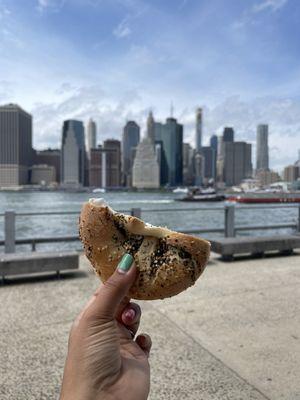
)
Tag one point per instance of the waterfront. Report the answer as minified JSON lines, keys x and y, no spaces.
{"x":186,"y":216}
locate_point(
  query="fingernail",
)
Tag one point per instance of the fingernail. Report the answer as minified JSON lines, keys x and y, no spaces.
{"x":125,"y":263}
{"x":130,"y":314}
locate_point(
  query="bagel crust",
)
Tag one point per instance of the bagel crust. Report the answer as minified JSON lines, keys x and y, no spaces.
{"x":168,"y":262}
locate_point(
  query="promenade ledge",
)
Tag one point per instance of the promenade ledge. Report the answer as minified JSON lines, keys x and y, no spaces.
{"x":234,"y":335}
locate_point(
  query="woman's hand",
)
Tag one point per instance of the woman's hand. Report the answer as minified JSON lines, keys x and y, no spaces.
{"x":104,"y":361}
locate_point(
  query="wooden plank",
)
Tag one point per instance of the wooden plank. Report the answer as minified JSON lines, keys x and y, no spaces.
{"x":28,"y":263}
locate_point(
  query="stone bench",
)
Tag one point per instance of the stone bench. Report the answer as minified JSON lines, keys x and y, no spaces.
{"x":32,"y":263}
{"x":256,"y":246}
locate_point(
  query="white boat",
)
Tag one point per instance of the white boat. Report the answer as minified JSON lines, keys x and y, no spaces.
{"x":99,"y":190}
{"x":180,"y":190}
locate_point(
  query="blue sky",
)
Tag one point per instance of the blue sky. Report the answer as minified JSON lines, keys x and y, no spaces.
{"x":115,"y":59}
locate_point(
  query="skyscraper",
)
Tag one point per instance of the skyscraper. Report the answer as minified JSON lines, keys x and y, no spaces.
{"x":237,"y":162}
{"x":73,"y":153}
{"x":214,"y":142}
{"x":262,"y":149}
{"x":15,"y":145}
{"x":209,"y":162}
{"x":150,"y":127}
{"x":145,"y":172}
{"x":198,"y":140}
{"x":91,"y":135}
{"x":112,"y":149}
{"x":170,"y":135}
{"x":51,"y":157}
{"x":188,"y":164}
{"x":130,"y":139}
{"x":228,"y":134}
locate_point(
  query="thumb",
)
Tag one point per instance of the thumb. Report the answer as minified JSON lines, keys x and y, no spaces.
{"x":108,"y":298}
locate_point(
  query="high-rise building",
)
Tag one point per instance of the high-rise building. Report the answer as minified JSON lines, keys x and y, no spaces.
{"x":209,"y":162}
{"x":198,"y":140}
{"x":91,"y":135}
{"x":15,"y":145}
{"x":262,"y":149}
{"x":51,"y":157}
{"x":112,"y":148}
{"x":291,"y":173}
{"x":170,"y":135}
{"x":130,"y":139}
{"x":199,"y":168}
{"x":237,"y":162}
{"x":145,"y":172}
{"x":228,"y":134}
{"x":150,"y":127}
{"x":188,"y":164}
{"x":73,"y":153}
{"x":214,"y":142}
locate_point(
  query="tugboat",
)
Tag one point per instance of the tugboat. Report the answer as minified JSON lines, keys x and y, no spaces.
{"x":202,"y":195}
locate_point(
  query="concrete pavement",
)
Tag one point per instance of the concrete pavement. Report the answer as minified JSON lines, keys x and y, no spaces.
{"x":234,"y":335}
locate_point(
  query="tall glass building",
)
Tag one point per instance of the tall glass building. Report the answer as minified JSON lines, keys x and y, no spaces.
{"x":130,"y":140}
{"x":262,"y":148}
{"x":170,"y":136}
{"x":73,"y":153}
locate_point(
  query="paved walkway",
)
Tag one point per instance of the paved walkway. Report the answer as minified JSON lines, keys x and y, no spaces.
{"x":235,"y":335}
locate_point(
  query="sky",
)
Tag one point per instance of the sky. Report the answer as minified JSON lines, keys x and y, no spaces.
{"x":114,"y":60}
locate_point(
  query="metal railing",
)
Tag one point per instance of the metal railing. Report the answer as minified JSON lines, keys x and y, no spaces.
{"x":229,"y":230}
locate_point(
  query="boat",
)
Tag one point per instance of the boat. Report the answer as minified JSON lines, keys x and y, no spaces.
{"x":202,"y":195}
{"x":266,"y":197}
{"x":99,"y":190}
{"x":180,"y":190}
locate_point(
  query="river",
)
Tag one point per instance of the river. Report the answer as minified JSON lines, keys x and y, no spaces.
{"x":195,"y":217}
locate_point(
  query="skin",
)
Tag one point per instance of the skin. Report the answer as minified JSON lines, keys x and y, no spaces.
{"x":104,"y":360}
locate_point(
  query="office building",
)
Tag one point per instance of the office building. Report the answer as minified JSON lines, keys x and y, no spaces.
{"x":267,"y":177}
{"x":209,"y":163}
{"x":112,"y":148}
{"x":72,"y":153}
{"x":91,"y":135}
{"x":199,"y":169}
{"x":130,"y":140}
{"x":150,"y":127}
{"x":51,"y":157}
{"x":198,"y":141}
{"x":291,"y":173}
{"x":262,"y":149}
{"x":15,"y":145}
{"x":170,"y":136}
{"x":237,"y":162}
{"x":214,"y":143}
{"x":228,"y":134}
{"x":43,"y":174}
{"x":104,"y":165}
{"x":188,"y":164}
{"x":145,"y":172}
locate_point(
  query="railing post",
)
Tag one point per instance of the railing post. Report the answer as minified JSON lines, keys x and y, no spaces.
{"x":10,"y":231}
{"x":229,"y":221}
{"x":299,"y":218}
{"x":136,"y":212}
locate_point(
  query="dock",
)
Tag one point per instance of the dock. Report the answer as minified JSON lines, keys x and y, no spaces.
{"x":234,"y":335}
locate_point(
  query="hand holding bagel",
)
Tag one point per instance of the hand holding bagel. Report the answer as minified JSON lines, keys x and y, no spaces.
{"x":104,"y":360}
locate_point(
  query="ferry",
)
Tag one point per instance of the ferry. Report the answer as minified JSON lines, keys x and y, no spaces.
{"x":202,"y":195}
{"x":266,"y":197}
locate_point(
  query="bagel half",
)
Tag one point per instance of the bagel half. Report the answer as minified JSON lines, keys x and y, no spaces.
{"x":168,"y":262}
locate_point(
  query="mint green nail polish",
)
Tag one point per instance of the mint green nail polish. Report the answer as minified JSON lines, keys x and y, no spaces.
{"x":125,"y":263}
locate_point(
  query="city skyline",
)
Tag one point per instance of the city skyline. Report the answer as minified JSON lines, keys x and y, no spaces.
{"x":243,"y":72}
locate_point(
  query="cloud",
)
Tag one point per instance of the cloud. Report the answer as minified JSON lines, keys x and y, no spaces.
{"x":272,"y":5}
{"x":6,"y":91}
{"x":122,"y":30}
{"x":50,"y":5}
